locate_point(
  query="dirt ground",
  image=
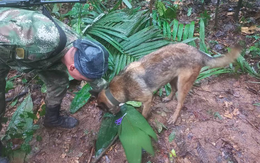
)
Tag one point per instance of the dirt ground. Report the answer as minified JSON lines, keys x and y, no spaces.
{"x":219,"y":123}
{"x":201,"y":135}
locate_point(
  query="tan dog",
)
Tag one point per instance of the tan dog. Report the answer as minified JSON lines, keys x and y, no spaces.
{"x":177,"y":64}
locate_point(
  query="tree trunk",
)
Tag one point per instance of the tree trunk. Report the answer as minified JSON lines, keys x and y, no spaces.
{"x":216,"y":15}
{"x":239,"y":5}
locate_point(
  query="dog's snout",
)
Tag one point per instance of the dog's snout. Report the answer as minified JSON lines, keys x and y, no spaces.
{"x":114,"y":110}
{"x":102,"y":106}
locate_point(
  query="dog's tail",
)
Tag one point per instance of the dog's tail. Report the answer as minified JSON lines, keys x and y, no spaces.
{"x":222,"y":61}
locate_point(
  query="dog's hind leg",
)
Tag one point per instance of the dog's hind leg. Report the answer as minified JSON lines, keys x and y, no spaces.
{"x":185,"y":82}
{"x":173,"y":84}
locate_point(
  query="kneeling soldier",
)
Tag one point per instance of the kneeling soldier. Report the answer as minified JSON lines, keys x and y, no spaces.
{"x":32,"y":41}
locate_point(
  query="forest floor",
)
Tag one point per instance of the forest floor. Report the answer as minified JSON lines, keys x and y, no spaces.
{"x":219,"y":122}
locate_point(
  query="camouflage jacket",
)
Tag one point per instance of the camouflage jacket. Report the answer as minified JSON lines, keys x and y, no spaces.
{"x":27,"y":39}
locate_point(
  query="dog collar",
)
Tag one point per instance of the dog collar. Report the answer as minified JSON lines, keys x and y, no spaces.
{"x":111,"y":98}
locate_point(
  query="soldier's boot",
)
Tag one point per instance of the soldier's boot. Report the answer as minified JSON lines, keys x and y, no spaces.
{"x":2,"y":159}
{"x":54,"y":119}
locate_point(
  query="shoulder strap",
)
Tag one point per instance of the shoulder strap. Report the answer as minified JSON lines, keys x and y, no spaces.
{"x":63,"y":38}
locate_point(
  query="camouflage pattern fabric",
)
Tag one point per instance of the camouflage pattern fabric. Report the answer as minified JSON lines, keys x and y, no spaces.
{"x":98,"y":84}
{"x":56,"y":87}
{"x":27,"y":40}
{"x":3,"y":73}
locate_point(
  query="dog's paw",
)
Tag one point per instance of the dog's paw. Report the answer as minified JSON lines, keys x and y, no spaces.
{"x":166,"y":99}
{"x":172,"y":120}
{"x":145,"y":115}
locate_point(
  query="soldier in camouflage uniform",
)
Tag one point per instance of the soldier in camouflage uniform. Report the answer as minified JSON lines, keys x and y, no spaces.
{"x":27,"y":42}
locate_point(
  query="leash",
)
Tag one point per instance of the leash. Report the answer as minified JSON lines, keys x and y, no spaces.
{"x":63,"y":38}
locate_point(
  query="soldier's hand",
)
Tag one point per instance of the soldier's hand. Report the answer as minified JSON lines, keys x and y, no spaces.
{"x":97,"y":86}
{"x":93,"y":93}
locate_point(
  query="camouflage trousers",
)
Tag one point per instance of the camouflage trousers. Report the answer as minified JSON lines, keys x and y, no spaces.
{"x":3,"y":73}
{"x":56,"y":81}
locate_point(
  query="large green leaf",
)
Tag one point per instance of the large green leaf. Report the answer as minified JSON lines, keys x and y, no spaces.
{"x":108,"y":130}
{"x":80,"y":99}
{"x":161,"y":9}
{"x":132,"y":149}
{"x":21,"y":126}
{"x":134,"y":135}
{"x":167,"y":89}
{"x":127,"y":3}
{"x":139,"y":121}
{"x":9,"y":85}
{"x":203,"y":46}
{"x":20,"y":116}
{"x":134,"y":103}
{"x":133,"y":140}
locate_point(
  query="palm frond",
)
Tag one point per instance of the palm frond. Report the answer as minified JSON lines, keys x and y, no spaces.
{"x":127,"y":37}
{"x":246,"y":68}
{"x":203,"y":46}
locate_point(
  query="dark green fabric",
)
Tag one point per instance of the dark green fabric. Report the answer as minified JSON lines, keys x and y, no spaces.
{"x":56,"y":83}
{"x":3,"y":73}
{"x":38,"y":36}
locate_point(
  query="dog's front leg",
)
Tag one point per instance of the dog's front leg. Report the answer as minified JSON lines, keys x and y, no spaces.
{"x":146,"y":107}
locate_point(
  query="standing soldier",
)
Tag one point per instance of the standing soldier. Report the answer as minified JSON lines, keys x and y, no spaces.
{"x":32,"y":41}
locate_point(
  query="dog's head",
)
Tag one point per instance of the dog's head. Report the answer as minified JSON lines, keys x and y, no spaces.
{"x":105,"y":104}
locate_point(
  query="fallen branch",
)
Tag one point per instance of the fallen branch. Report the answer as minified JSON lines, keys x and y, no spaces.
{"x":91,"y":153}
{"x":250,"y":123}
{"x":17,"y":96}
